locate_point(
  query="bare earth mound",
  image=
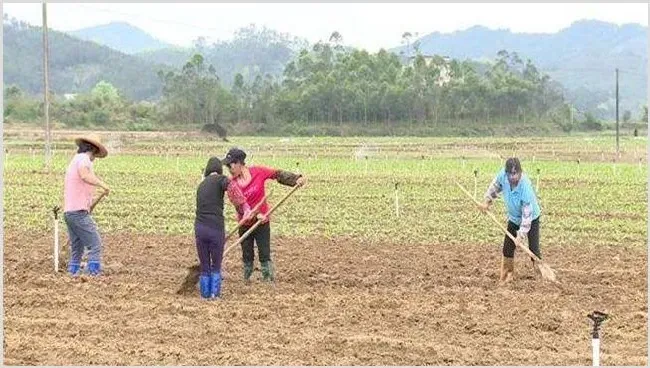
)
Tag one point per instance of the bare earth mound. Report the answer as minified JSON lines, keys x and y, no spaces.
{"x":335,"y":302}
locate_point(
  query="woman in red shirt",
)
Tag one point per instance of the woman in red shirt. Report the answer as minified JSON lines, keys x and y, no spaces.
{"x":250,"y":181}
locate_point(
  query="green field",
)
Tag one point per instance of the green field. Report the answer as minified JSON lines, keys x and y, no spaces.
{"x":356,"y":283}
{"x":352,"y":186}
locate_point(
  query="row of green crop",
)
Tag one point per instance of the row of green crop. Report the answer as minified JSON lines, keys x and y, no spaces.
{"x":591,"y":203}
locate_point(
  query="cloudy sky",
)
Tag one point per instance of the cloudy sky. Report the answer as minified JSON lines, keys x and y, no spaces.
{"x":370,"y":26}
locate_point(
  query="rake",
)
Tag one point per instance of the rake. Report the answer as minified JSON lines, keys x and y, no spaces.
{"x":259,"y":221}
{"x":193,"y":271}
{"x":547,"y":272}
{"x":253,"y":212}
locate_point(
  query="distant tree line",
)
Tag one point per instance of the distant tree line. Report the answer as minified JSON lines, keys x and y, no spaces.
{"x":327,"y":84}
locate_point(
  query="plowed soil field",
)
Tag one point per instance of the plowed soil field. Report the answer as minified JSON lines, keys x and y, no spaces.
{"x":335,"y":302}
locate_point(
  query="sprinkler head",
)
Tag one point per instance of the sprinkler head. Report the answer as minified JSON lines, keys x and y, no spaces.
{"x":56,"y":210}
{"x":598,"y":317}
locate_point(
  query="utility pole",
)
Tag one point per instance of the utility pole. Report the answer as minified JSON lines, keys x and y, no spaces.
{"x":617,"y":146}
{"x":46,"y":90}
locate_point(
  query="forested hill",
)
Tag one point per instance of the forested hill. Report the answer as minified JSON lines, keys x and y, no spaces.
{"x":583,"y":57}
{"x":75,"y":65}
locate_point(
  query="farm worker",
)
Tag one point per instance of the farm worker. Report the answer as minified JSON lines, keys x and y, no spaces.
{"x":251,"y":181}
{"x":79,"y":184}
{"x":209,"y":227}
{"x":523,"y":212}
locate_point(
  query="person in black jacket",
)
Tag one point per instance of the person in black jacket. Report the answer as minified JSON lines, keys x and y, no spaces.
{"x":209,"y":226}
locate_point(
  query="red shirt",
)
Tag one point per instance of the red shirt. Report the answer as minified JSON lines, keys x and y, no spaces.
{"x":254,"y":191}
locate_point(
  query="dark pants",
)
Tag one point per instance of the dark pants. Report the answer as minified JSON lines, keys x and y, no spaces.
{"x":262,"y":237}
{"x":533,"y":239}
{"x":82,"y":230}
{"x":209,"y":246}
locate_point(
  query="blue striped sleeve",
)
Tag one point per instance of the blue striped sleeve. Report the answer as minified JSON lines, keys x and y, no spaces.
{"x":494,"y":189}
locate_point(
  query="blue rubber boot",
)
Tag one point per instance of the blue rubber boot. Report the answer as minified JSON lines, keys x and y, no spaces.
{"x":215,"y":285}
{"x":204,"y":285}
{"x":73,"y":269}
{"x":94,"y":268}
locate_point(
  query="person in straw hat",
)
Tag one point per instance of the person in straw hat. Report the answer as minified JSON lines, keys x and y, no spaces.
{"x":79,"y":184}
{"x":523,"y":212}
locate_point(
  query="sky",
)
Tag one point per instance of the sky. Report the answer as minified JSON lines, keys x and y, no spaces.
{"x":363,"y":25}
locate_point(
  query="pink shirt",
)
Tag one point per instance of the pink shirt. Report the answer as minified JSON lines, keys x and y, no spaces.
{"x":77,"y":194}
{"x":254,"y":189}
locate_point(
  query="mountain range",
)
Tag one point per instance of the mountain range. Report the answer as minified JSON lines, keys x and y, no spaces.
{"x":582,"y":57}
{"x":121,"y":36}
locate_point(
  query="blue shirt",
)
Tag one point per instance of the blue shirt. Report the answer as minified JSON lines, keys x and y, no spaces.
{"x":516,"y":198}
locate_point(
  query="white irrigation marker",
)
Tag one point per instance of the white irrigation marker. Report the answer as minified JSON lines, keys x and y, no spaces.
{"x":396,"y":200}
{"x":598,"y":318}
{"x":56,"y":239}
{"x":475,"y":182}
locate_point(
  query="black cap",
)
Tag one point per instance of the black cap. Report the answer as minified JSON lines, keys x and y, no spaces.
{"x":234,"y":155}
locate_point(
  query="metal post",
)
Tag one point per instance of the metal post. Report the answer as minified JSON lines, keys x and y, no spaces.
{"x":617,"y":130}
{"x":46,"y":91}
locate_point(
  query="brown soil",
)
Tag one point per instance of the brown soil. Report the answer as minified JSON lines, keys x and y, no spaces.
{"x":335,"y":302}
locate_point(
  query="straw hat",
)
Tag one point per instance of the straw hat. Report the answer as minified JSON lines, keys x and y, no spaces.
{"x":95,"y":141}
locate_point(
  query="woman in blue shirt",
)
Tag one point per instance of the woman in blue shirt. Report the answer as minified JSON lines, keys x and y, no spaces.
{"x":523,"y":212}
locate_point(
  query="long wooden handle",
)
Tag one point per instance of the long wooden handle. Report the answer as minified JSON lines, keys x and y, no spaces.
{"x":194,"y":274}
{"x":240,"y":223}
{"x":259,"y":222}
{"x":243,"y":237}
{"x":496,"y":221}
{"x":92,"y":206}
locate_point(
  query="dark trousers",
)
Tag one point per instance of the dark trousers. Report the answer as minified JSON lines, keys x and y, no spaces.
{"x":82,"y":230}
{"x":209,"y":246}
{"x":260,"y":236}
{"x":533,"y":239}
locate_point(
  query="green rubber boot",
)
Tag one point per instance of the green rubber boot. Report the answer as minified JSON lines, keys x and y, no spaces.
{"x":248,"y":271}
{"x":267,"y":271}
